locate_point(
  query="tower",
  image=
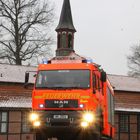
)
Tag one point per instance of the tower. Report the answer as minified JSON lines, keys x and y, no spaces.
{"x":65,"y":31}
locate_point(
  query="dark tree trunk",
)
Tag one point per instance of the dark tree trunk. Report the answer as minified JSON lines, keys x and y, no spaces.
{"x":24,"y":22}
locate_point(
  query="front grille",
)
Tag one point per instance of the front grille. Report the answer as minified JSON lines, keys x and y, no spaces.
{"x":61,"y":103}
{"x":60,"y":123}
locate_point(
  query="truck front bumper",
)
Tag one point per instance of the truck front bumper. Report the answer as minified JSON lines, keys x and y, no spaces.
{"x":64,"y":120}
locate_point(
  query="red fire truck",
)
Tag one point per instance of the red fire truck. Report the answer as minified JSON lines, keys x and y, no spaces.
{"x":72,"y":94}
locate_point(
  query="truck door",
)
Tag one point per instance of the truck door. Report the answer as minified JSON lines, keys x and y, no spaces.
{"x":96,"y":83}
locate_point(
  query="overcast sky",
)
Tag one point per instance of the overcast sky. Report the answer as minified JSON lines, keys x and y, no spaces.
{"x":106,"y":29}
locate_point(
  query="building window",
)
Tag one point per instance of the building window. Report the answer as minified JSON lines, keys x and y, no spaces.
{"x":139,"y":123}
{"x":59,"y":38}
{"x":3,"y":122}
{"x":124,"y":123}
{"x":70,"y":40}
{"x":63,"y":40}
{"x":25,"y":122}
{"x":110,"y":99}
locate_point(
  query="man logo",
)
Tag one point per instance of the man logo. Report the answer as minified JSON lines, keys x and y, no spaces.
{"x":61,"y":103}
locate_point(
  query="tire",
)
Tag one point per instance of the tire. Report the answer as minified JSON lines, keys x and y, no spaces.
{"x":79,"y":136}
{"x":106,"y":138}
{"x":89,"y":136}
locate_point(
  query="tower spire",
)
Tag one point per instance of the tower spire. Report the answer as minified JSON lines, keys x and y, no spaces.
{"x":66,"y":21}
{"x":65,"y":31}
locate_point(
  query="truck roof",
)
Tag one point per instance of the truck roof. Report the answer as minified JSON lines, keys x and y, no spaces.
{"x":67,"y":66}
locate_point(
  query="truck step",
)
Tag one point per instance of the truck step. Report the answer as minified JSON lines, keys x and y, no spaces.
{"x":52,"y":139}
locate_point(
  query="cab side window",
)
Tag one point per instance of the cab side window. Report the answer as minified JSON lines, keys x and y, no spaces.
{"x":96,"y":82}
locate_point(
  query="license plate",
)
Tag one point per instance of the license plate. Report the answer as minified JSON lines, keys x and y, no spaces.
{"x":60,"y":116}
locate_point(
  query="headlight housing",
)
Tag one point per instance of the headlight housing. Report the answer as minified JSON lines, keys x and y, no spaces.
{"x":36,"y":124}
{"x":81,"y":105}
{"x":34,"y":116}
{"x":41,"y":105}
{"x":84,"y":124}
{"x":88,"y":117}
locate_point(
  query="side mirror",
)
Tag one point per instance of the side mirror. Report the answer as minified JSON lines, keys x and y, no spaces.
{"x":26,"y":78}
{"x":27,"y":75}
{"x":103,"y":76}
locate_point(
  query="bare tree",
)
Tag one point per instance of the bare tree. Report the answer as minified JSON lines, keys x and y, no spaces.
{"x":134,"y":61}
{"x":25,"y":29}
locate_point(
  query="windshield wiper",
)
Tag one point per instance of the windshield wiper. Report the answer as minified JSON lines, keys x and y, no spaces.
{"x":64,"y":88}
{"x":55,"y":88}
{"x":59,"y":87}
{"x":79,"y":87}
{"x":43,"y":87}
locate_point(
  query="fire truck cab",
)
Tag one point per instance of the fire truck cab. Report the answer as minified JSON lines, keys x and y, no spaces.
{"x":73,"y":95}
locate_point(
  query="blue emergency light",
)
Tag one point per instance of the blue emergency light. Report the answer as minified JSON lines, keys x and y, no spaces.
{"x":44,"y":61}
{"x":87,"y":60}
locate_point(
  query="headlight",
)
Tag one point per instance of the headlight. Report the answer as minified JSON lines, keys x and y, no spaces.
{"x":33,"y":116}
{"x":84,"y":124}
{"x":36,"y":123}
{"x":88,"y":117}
{"x":41,"y":105}
{"x":81,"y":105}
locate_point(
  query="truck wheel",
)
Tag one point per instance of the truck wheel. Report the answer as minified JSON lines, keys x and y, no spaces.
{"x":94,"y":137}
{"x":90,"y":136}
{"x":106,"y":138}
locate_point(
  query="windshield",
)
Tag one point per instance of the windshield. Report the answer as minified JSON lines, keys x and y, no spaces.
{"x":63,"y":79}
